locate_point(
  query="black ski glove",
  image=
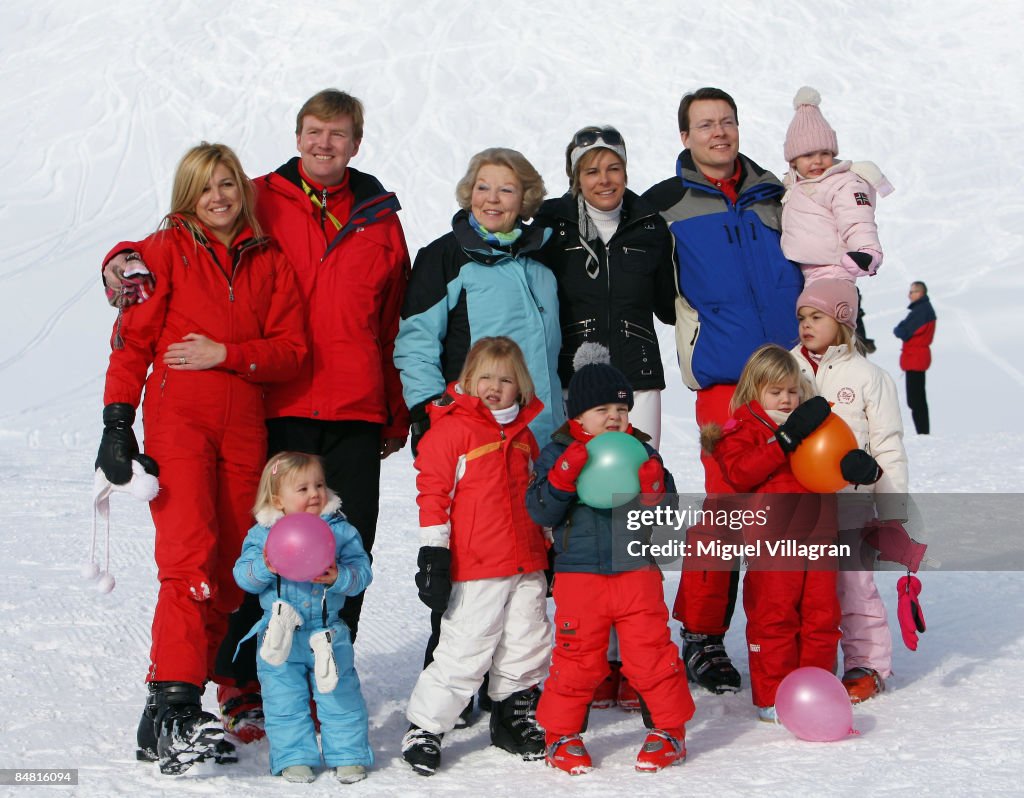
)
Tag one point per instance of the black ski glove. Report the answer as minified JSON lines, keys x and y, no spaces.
{"x":434,"y":579}
{"x":118,"y":445}
{"x":860,"y":468}
{"x":419,"y":423}
{"x":862,"y":259}
{"x":802,"y":422}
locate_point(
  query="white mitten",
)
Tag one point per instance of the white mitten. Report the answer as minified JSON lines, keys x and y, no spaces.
{"x":325,"y":669}
{"x":277,"y":642}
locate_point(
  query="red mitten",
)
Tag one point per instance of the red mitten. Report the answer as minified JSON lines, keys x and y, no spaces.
{"x":894,"y":544}
{"x":908,"y":610}
{"x":652,"y":482}
{"x":566,"y":470}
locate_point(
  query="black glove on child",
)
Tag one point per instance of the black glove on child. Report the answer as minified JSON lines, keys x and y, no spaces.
{"x":862,"y":259}
{"x":118,"y":445}
{"x":860,"y":468}
{"x":434,"y":579}
{"x":802,"y":422}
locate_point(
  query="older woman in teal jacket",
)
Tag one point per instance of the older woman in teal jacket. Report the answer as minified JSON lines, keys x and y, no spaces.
{"x":481,"y":279}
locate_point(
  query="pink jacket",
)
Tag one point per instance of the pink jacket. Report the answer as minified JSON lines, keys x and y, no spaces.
{"x":825,"y":217}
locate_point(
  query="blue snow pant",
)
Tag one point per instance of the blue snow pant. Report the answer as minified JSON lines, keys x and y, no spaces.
{"x":344,"y":724}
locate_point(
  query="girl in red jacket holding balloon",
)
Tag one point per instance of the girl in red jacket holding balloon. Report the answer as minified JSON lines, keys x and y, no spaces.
{"x":790,"y":601}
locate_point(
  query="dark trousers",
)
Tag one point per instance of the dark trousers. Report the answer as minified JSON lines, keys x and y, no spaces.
{"x":917,"y":401}
{"x":350,"y":451}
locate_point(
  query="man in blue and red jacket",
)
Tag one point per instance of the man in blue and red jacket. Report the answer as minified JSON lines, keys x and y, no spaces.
{"x":917,"y":331}
{"x":737,"y":291}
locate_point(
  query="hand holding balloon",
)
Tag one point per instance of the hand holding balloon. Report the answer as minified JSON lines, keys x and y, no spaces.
{"x":817,"y":461}
{"x":300,"y":547}
{"x":567,"y":468}
{"x":610,"y":477}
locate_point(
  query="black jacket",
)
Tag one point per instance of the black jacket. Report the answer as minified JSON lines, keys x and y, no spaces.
{"x":634,"y":281}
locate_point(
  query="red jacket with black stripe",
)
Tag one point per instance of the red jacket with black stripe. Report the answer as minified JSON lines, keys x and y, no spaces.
{"x":353,"y":283}
{"x":473,"y":474}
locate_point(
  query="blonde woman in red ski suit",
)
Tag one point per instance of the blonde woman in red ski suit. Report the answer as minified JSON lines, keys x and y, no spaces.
{"x":225,"y":317}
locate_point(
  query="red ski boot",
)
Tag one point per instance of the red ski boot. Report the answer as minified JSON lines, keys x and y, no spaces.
{"x":663,"y":747}
{"x":241,"y":711}
{"x":567,"y":753}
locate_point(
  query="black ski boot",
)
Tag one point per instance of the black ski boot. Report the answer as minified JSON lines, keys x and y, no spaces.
{"x":183,"y":732}
{"x":514,"y":724}
{"x":422,"y":750}
{"x":708,"y":663}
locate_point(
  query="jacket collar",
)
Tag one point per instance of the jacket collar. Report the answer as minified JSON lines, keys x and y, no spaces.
{"x":455,"y":400}
{"x":533,"y":238}
{"x":754,"y":185}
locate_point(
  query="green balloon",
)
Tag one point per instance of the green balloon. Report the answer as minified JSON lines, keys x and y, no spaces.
{"x":610,"y":476}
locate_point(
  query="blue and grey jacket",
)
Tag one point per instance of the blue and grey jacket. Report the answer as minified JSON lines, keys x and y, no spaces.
{"x":463,"y":289}
{"x":737,"y":288}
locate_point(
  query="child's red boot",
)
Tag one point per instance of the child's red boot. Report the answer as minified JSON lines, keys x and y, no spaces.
{"x":663,"y":747}
{"x":567,"y":753}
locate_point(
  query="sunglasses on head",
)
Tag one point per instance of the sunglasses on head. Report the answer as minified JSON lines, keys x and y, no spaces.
{"x":592,"y":135}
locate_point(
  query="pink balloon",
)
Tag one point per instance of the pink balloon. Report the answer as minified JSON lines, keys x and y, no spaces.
{"x":300,"y":546}
{"x":813,"y":704}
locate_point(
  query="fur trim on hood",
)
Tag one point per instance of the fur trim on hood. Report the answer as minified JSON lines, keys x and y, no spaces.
{"x":710,"y":435}
{"x":269,"y":516}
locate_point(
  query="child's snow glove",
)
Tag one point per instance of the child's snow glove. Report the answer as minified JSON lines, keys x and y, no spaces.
{"x":802,"y":422}
{"x":277,"y":642}
{"x":860,"y":468}
{"x":434,"y":579}
{"x":894,"y":544}
{"x":567,"y":468}
{"x":652,"y":482}
{"x":908,"y":610}
{"x":118,"y":445}
{"x":866,"y":261}
{"x":325,"y":667}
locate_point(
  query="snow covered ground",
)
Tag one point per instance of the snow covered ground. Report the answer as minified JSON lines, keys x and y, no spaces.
{"x":100,"y":100}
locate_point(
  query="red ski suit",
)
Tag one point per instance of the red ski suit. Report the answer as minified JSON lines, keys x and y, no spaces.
{"x":204,"y":428}
{"x":792,"y":615}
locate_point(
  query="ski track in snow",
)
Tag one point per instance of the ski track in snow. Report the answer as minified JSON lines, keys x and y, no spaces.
{"x":102,"y":99}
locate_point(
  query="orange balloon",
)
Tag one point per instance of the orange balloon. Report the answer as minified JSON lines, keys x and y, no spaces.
{"x":815,"y":462}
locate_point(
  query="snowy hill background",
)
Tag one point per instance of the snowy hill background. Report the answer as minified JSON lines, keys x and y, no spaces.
{"x":101,"y":99}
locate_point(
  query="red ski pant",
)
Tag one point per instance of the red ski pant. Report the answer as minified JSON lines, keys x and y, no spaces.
{"x":211,"y":450}
{"x":706,"y":599}
{"x":792,"y":622}
{"x":586,"y":607}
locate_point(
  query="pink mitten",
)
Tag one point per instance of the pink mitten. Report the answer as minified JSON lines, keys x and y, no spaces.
{"x":908,"y":610}
{"x":894,"y":544}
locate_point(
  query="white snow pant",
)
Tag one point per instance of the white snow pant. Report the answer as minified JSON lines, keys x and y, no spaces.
{"x":646,"y":414}
{"x":495,"y":625}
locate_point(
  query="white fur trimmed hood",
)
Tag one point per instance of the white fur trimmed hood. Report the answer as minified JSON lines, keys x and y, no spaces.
{"x":269,"y":516}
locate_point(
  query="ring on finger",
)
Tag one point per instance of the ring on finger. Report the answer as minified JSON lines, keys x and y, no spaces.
{"x":183,"y":361}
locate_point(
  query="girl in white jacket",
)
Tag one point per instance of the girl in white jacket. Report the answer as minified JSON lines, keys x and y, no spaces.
{"x":828,"y":210}
{"x":865,"y":397}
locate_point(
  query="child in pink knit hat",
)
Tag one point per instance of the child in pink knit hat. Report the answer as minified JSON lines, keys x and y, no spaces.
{"x":828,"y":211}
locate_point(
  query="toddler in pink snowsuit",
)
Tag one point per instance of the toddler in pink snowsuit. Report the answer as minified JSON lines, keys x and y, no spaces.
{"x":828,"y":210}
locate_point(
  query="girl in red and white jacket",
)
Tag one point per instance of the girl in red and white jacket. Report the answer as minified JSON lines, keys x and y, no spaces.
{"x":865,"y":397}
{"x":790,"y":602}
{"x":482,"y":558}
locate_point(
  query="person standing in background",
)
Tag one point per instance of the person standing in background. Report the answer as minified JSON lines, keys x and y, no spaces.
{"x":917,"y":331}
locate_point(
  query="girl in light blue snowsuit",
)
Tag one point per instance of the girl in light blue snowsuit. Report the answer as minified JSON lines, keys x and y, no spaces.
{"x":303,"y":642}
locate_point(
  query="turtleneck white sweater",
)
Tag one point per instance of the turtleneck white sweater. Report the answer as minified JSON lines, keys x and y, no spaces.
{"x":606,"y":222}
